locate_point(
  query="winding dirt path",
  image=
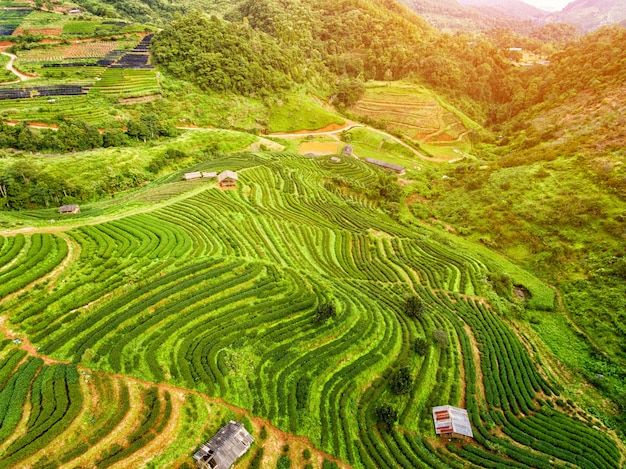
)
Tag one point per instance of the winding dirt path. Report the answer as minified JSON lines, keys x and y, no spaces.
{"x":9,"y":66}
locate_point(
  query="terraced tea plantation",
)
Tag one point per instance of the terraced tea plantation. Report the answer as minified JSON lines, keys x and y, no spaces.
{"x":125,"y":327}
{"x":418,"y":114}
{"x":43,"y":109}
{"x":128,"y":83}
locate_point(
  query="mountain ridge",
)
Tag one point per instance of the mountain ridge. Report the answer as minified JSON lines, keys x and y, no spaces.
{"x":588,"y":15}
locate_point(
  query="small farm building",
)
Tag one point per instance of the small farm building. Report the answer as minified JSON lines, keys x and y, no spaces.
{"x":334,"y":159}
{"x":227,"y":179}
{"x":452,"y":421}
{"x":383,"y":164}
{"x":348,"y":150}
{"x":212,"y":174}
{"x":230,"y":443}
{"x":194,"y":175}
{"x":73,"y":208}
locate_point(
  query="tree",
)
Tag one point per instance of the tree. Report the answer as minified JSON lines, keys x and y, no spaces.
{"x":401,"y":381}
{"x":283,"y":462}
{"x":325,"y":311}
{"x":349,"y":91}
{"x":114,"y":138}
{"x":440,"y":337}
{"x":387,"y":415}
{"x":420,"y":346}
{"x":414,"y":306}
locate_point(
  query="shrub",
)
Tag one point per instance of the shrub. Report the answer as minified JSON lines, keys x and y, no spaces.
{"x":401,"y":381}
{"x":283,"y":462}
{"x":420,"y":346}
{"x":325,"y":311}
{"x":414,"y":306}
{"x":387,"y":415}
{"x":441,"y":338}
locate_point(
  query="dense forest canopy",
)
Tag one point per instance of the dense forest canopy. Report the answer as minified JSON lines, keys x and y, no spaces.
{"x":224,"y":56}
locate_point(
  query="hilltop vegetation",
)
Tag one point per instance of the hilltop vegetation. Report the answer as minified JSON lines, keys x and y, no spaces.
{"x":224,"y":57}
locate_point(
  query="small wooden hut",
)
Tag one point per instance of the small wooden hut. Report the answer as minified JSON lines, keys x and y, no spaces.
{"x":227,"y":179}
{"x":230,"y":443}
{"x":72,"y":208}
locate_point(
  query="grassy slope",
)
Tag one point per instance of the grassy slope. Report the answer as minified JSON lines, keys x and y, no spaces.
{"x":552,"y":198}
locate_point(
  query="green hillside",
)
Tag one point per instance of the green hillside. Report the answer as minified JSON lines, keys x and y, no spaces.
{"x":217,"y":292}
{"x":325,"y":302}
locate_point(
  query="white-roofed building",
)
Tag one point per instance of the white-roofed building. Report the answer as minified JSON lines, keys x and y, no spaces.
{"x":452,"y":421}
{"x":194,"y":175}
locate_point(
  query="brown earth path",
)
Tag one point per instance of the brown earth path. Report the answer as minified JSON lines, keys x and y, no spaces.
{"x":9,"y":66}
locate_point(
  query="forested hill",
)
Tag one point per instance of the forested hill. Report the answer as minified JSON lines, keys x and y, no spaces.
{"x":315,"y":42}
{"x":155,"y":12}
{"x":585,"y":83}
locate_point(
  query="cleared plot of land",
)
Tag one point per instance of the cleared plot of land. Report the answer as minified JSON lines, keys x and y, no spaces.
{"x":319,"y":148}
{"x":301,"y":112}
{"x":82,"y":28}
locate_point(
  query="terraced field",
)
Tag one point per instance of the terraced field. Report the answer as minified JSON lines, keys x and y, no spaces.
{"x":128,"y":83}
{"x":43,"y":109}
{"x":217,"y":294}
{"x":417,"y":114}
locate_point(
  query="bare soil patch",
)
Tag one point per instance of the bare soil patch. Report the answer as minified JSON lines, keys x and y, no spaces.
{"x":38,"y":31}
{"x":318,"y":148}
{"x":329,"y":128}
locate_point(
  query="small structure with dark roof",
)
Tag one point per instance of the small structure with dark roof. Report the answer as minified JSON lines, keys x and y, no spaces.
{"x":452,"y":421}
{"x":227,"y":179}
{"x":72,"y":208}
{"x":348,"y":150}
{"x":230,"y":443}
{"x":383,"y":164}
{"x":194,"y":175}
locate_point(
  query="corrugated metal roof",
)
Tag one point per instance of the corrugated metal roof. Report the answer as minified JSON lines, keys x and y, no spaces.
{"x":227,"y":445}
{"x":396,"y":167}
{"x":450,"y":419}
